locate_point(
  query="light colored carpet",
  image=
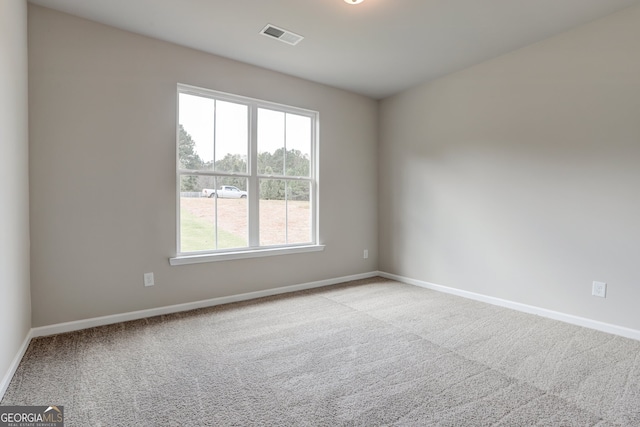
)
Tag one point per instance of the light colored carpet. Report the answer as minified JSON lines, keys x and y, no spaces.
{"x":368,"y":353}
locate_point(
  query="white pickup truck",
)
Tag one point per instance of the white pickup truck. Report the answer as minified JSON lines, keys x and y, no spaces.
{"x":225,"y":192}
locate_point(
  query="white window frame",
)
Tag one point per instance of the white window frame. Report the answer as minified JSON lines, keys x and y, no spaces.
{"x":253,"y":249}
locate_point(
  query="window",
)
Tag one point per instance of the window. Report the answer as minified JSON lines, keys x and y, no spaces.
{"x":246,"y":175}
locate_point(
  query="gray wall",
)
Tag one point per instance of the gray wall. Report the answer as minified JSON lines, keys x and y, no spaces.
{"x":519,"y":178}
{"x":103,"y":112}
{"x":15,"y":306}
{"x":516,"y":178}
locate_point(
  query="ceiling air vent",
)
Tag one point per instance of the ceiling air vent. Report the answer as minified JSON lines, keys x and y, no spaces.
{"x":281,"y":34}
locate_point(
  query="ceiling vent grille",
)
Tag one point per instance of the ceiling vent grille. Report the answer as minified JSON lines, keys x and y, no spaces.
{"x":281,"y":34}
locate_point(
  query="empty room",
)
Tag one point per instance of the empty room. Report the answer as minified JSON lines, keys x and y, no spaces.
{"x":321,"y":213}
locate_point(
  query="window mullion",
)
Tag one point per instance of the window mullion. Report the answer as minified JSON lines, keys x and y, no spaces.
{"x":215,"y":214}
{"x":215,"y":180}
{"x":284,"y":155}
{"x":254,"y":192}
{"x":286,"y":210}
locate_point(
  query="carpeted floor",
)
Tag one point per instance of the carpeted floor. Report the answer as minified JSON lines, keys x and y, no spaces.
{"x":368,"y":353}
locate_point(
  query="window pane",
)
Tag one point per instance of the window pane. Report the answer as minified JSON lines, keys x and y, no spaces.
{"x":271,"y":137}
{"x":273,"y":212}
{"x":196,"y":125}
{"x":232,"y":137}
{"x":232,"y":212}
{"x":197,"y":217}
{"x":298,"y":143}
{"x":298,"y":212}
{"x":285,"y":212}
{"x":213,"y":216}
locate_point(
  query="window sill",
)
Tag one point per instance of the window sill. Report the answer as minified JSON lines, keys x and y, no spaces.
{"x":255,"y":253}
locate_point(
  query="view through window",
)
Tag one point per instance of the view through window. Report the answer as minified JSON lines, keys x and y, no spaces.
{"x":246,"y":173}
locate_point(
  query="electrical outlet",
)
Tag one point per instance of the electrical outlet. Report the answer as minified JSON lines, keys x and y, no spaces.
{"x":366,"y":254}
{"x":599,"y":289}
{"x":148,"y":279}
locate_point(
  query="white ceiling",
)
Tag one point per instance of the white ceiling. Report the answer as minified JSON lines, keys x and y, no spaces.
{"x":376,"y":48}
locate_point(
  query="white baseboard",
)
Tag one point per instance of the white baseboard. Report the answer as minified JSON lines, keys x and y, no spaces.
{"x":141,"y":314}
{"x":14,"y":365}
{"x":555,"y":315}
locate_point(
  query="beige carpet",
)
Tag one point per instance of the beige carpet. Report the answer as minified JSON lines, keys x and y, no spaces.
{"x":367,"y":353}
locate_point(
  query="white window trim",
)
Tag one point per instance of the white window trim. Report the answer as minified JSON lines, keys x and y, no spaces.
{"x":253,"y":250}
{"x":244,"y":254}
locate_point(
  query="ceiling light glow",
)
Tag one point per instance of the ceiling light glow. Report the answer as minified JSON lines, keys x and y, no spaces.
{"x":353,"y":1}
